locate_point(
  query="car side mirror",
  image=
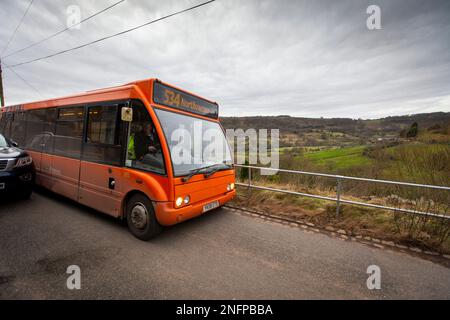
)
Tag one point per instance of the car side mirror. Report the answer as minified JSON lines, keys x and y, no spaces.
{"x":14,"y":144}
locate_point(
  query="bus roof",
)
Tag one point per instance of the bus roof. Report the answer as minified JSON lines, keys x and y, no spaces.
{"x":192,"y":102}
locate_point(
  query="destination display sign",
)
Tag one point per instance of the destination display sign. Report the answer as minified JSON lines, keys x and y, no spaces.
{"x":177,"y":99}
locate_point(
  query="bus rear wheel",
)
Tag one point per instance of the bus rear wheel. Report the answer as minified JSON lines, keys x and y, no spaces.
{"x":141,"y":218}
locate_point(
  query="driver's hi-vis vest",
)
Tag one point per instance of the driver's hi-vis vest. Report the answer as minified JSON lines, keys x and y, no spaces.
{"x":131,"y":151}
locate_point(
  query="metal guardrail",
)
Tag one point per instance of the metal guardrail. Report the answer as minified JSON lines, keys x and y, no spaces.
{"x":339,"y":181}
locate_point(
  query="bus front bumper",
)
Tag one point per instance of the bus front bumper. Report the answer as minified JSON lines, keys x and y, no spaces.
{"x":167,"y":215}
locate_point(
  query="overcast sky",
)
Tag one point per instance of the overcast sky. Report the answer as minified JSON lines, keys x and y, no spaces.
{"x":301,"y":58}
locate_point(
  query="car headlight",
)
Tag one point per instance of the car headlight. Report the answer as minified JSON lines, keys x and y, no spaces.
{"x":24,"y":161}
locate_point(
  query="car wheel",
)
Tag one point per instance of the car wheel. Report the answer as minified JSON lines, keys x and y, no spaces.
{"x":26,"y":193}
{"x":141,"y":218}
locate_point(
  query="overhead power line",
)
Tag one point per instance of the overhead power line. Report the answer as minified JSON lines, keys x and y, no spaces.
{"x":64,"y":30}
{"x":17,"y":28}
{"x":111,"y":36}
{"x":23,"y":80}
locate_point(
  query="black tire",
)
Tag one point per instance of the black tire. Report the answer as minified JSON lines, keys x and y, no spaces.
{"x":26,"y":193}
{"x":141,"y":218}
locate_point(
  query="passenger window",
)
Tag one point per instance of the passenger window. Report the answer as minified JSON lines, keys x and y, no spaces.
{"x":5,"y":123}
{"x":102,"y":125}
{"x":103,"y":128}
{"x":69,"y":132}
{"x":144,"y":147}
{"x":18,"y":128}
{"x":9,"y":119}
{"x":35,"y":129}
{"x":2,"y":122}
{"x":49,"y":130}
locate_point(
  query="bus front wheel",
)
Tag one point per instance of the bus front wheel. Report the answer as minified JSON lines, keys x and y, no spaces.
{"x":141,"y":218}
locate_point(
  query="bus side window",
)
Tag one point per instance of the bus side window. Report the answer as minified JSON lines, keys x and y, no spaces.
{"x":144,"y":147}
{"x":69,"y":131}
{"x":102,"y":136}
{"x":8,"y":123}
{"x":5,"y":122}
{"x":18,"y":128}
{"x":2,"y":122}
{"x":35,"y":128}
{"x":49,"y":130}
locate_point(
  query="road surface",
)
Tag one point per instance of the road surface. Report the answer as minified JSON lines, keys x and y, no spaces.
{"x":221,"y":255}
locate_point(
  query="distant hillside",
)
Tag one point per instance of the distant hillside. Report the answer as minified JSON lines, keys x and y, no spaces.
{"x":296,"y":131}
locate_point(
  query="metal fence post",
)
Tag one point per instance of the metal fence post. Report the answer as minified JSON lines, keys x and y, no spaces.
{"x":249,"y":186}
{"x":338,"y":196}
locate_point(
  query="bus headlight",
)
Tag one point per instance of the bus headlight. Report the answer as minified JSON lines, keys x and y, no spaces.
{"x":232,"y":186}
{"x":187,"y":199}
{"x":179,"y":201}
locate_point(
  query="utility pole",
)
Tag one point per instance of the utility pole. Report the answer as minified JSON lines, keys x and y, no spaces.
{"x":2,"y":98}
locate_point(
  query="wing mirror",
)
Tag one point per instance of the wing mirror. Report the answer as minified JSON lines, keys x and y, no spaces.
{"x":127,"y":114}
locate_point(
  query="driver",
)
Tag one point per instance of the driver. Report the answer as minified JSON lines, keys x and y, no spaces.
{"x":146,"y":141}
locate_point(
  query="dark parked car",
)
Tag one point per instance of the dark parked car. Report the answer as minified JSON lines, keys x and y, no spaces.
{"x":17,"y":171}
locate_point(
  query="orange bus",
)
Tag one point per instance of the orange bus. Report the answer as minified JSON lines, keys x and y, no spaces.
{"x":148,"y":152}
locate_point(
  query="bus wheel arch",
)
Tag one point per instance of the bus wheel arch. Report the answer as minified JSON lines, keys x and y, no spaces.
{"x":139,"y":212}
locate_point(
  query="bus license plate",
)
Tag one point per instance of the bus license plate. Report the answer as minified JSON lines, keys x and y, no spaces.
{"x":2,"y":186}
{"x":210,"y":206}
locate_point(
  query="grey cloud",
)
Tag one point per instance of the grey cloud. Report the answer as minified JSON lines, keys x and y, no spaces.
{"x":305,"y":58}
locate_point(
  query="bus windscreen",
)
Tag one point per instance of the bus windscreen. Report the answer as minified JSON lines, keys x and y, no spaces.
{"x":177,"y":99}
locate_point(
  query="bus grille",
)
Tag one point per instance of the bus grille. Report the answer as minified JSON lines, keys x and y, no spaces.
{"x":3,"y":164}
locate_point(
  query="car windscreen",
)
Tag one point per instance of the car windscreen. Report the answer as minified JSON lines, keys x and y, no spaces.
{"x":3,"y":142}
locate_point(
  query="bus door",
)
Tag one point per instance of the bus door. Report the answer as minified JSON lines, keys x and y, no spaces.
{"x":102,"y":157}
{"x":67,"y":141}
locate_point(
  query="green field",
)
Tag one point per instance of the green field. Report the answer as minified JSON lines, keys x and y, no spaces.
{"x":339,"y":158}
{"x":424,"y":159}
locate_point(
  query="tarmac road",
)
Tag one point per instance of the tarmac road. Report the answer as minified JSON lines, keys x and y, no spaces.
{"x":221,"y":255}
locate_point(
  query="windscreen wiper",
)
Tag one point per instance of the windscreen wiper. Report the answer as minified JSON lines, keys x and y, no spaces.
{"x":193,"y":172}
{"x":218,"y":168}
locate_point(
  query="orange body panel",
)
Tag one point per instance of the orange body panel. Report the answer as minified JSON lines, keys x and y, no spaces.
{"x":201,"y":190}
{"x":89,"y":183}
{"x":44,"y":173}
{"x":94,"y":188}
{"x":65,"y":175}
{"x":37,"y":157}
{"x":167,"y":215}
